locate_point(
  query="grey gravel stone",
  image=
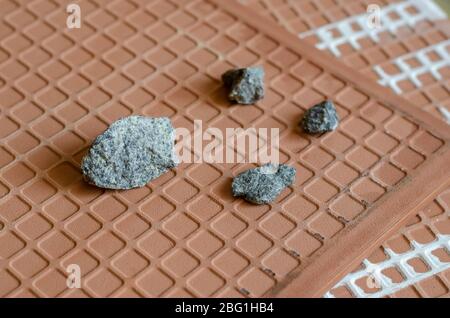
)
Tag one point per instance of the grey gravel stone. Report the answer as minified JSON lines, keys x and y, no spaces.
{"x":263,"y":184}
{"x":130,"y":153}
{"x":246,"y":85}
{"x":320,"y":118}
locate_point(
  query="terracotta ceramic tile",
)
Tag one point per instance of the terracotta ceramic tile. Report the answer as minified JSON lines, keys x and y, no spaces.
{"x":426,"y":37}
{"x":397,"y":47}
{"x":181,"y":230}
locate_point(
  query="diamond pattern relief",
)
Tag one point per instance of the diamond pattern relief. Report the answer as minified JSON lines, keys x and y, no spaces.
{"x":205,"y":283}
{"x":108,"y":281}
{"x":51,"y":284}
{"x":155,"y":244}
{"x":106,"y":245}
{"x":183,"y":234}
{"x":33,"y":226}
{"x":154,"y":283}
{"x":205,"y":244}
{"x":29,"y":264}
{"x":230,"y":263}
{"x":180,"y":263}
{"x":280,"y":263}
{"x":13,"y":208}
{"x":10,"y":244}
{"x":130,"y":263}
{"x":254,"y":244}
{"x":256,"y":282}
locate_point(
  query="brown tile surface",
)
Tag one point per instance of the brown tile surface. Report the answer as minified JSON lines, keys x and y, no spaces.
{"x":302,"y":16}
{"x":418,"y":260}
{"x":177,"y":236}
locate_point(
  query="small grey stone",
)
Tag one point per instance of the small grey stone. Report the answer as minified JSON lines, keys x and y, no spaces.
{"x":246,"y":85}
{"x":130,"y":153}
{"x":320,"y":118}
{"x":263,"y":184}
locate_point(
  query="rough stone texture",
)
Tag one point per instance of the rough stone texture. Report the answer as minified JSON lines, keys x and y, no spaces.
{"x":246,"y":85}
{"x":320,"y":118}
{"x":263,"y":184}
{"x":130,"y":153}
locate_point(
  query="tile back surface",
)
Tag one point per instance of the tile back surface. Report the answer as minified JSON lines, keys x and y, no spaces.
{"x":184,"y":234}
{"x":414,"y":262}
{"x":408,"y":53}
{"x":410,"y":56}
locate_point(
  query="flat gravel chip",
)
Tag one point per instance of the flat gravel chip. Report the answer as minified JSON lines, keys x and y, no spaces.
{"x":263,"y":184}
{"x":246,"y":85}
{"x":320,"y":118}
{"x":131,"y":152}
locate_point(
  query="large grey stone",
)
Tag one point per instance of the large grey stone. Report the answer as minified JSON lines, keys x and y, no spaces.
{"x":131,"y":152}
{"x":320,"y":118}
{"x":245,"y":85}
{"x":263,"y":184}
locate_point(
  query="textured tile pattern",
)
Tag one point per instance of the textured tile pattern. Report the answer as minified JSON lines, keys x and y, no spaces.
{"x":408,"y":28}
{"x":413,"y":263}
{"x":183,"y":234}
{"x":411,"y":56}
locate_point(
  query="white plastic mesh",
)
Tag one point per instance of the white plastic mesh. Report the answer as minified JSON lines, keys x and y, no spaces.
{"x":408,"y":72}
{"x":373,"y":272}
{"x":445,"y":113}
{"x":426,"y":9}
{"x":352,"y":29}
{"x":349,"y":31}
